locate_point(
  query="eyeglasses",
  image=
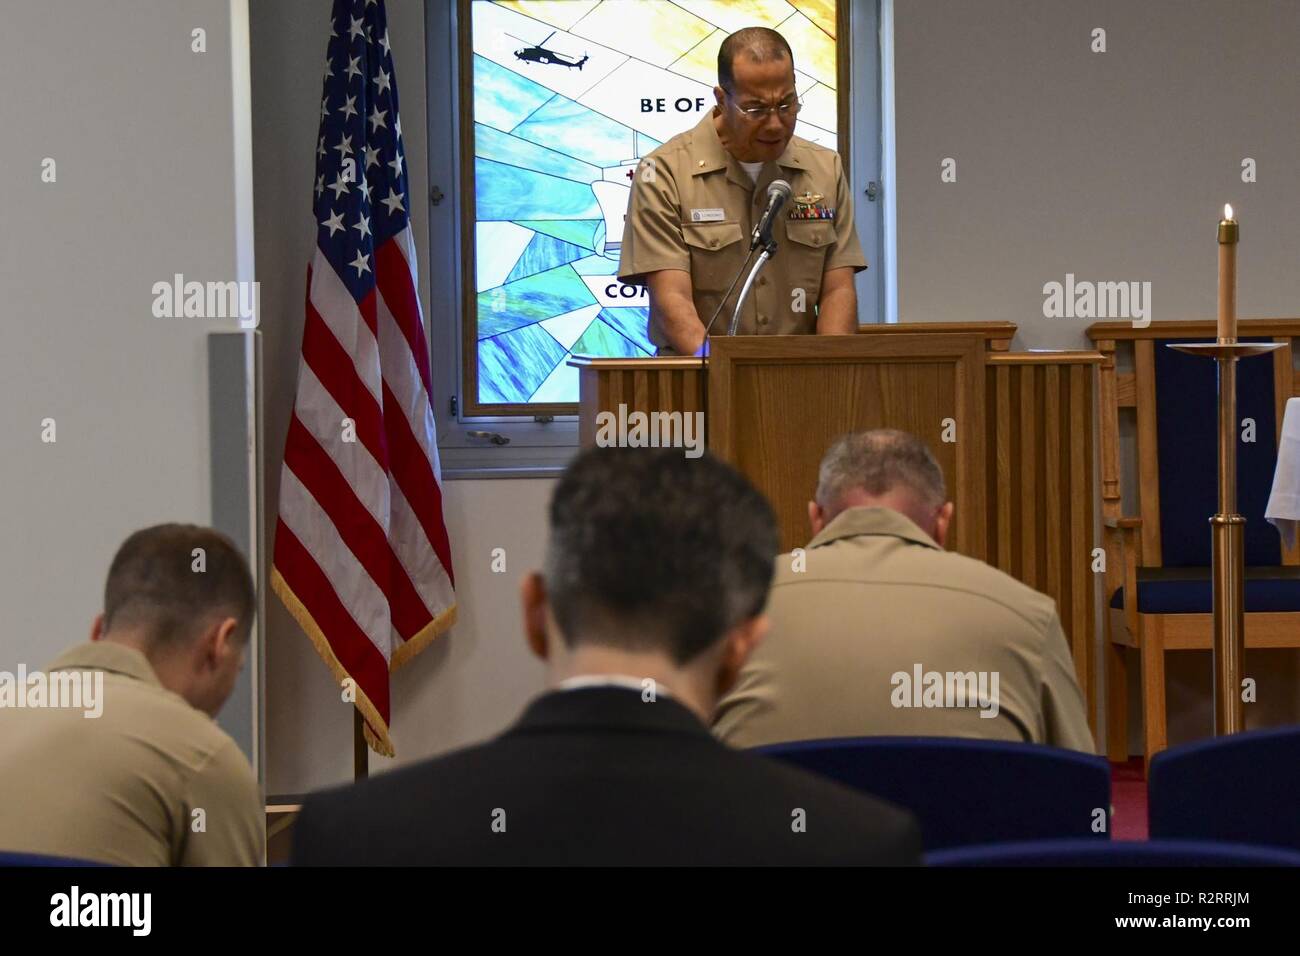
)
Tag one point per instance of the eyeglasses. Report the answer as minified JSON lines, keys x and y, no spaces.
{"x":757,"y":114}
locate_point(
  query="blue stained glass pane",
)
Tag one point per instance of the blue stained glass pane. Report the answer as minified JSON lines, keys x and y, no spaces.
{"x":512,"y":365}
{"x":508,"y":192}
{"x":503,"y":98}
{"x":543,"y":253}
{"x":580,"y":232}
{"x":561,"y":123}
{"x":498,"y":246}
{"x":601,"y":340}
{"x":493,"y":144}
{"x":530,"y":300}
{"x":595,"y":266}
{"x":631,"y":322}
{"x":646,"y":144}
{"x":560,"y":386}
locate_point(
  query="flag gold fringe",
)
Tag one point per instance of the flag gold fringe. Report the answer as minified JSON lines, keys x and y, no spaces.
{"x":379,"y":742}
{"x":439,"y":625}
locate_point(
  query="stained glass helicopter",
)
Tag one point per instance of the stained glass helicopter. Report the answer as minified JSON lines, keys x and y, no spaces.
{"x":539,"y":54}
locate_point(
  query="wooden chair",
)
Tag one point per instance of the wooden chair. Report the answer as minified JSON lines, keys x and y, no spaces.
{"x":1158,"y":592}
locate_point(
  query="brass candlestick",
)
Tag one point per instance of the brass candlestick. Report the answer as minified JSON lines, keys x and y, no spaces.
{"x":1227,"y":527}
{"x":1227,"y":537}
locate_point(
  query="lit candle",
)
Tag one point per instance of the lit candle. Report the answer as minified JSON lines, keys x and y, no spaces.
{"x":1227,"y":276}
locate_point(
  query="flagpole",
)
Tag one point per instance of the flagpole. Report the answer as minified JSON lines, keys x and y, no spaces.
{"x":360,"y":750}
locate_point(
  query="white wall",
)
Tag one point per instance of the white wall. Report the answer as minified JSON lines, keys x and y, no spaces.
{"x":140,"y":128}
{"x":1110,"y":165}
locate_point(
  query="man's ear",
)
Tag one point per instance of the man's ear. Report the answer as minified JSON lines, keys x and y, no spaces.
{"x":97,"y":627}
{"x":942,"y":519}
{"x":532,"y":596}
{"x":218,"y":642}
{"x":227,"y":636}
{"x":739,"y":643}
{"x":719,"y":99}
{"x":816,"y":518}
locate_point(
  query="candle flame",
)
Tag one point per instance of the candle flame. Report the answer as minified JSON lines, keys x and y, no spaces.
{"x":1227,"y":211}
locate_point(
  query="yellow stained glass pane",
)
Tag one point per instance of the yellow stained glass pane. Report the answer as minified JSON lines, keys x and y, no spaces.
{"x":701,"y":62}
{"x":820,"y":107}
{"x":814,"y":51}
{"x":561,"y":14}
{"x":803,"y":82}
{"x":657,"y":33}
{"x":733,"y":15}
{"x":820,"y":12}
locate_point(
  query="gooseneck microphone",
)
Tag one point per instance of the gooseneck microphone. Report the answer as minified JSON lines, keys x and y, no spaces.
{"x":778,"y":193}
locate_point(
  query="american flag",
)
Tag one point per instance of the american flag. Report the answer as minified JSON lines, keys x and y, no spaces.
{"x":362,"y":559}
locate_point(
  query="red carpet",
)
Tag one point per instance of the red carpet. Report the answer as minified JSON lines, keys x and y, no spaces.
{"x":1128,"y":795}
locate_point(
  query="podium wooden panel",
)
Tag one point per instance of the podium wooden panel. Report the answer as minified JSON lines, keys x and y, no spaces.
{"x":1043,"y":501}
{"x":1020,"y":470}
{"x":777,"y":402}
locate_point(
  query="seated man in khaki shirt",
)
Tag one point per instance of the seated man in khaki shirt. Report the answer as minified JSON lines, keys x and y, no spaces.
{"x":134,"y":771}
{"x":876,"y":630}
{"x":697,"y":198}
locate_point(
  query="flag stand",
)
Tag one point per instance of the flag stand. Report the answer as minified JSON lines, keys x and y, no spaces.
{"x":360,"y":751}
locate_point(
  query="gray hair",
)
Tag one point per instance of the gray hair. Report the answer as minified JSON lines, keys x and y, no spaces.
{"x":760,"y":44}
{"x":877,"y":462}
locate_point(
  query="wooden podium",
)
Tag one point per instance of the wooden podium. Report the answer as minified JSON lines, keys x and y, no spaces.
{"x":1013,"y":432}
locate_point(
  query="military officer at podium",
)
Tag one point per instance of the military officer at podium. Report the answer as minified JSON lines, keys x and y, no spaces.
{"x":697,"y":198}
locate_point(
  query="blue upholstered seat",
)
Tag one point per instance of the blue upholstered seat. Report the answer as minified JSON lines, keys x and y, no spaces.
{"x":1114,"y":853}
{"x":10,"y":858}
{"x":1186,"y":429}
{"x":967,"y":791}
{"x":1243,"y":788}
{"x":1189,"y":590}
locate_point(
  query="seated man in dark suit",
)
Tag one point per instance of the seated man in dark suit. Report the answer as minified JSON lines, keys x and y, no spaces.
{"x":656,"y":577}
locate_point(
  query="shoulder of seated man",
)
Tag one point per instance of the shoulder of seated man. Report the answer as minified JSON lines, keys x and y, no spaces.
{"x":953,"y":571}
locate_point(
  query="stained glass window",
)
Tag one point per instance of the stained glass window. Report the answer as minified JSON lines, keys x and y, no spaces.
{"x":568,"y":95}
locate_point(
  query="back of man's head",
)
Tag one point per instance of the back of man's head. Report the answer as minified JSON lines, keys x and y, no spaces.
{"x":168,"y":581}
{"x":652,"y":551}
{"x":884,"y":467}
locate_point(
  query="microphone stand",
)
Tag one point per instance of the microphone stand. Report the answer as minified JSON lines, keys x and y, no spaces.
{"x":769,"y":250}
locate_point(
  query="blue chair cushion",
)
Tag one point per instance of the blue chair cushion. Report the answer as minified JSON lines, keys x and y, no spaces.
{"x":967,"y":791}
{"x":15,"y":858}
{"x":1124,"y":853}
{"x":1190,"y":590}
{"x":1242,"y":788}
{"x":1187,"y":448}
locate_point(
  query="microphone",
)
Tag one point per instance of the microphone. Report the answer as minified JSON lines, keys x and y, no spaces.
{"x":718,"y":310}
{"x":778,"y":193}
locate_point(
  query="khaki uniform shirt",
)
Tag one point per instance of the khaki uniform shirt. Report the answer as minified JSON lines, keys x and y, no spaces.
{"x":121,"y":788}
{"x":878,"y":599}
{"x":697,"y":211}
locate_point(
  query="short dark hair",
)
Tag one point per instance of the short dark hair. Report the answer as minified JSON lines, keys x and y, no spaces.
{"x":153,"y":583}
{"x":650,"y":549}
{"x":758,"y":43}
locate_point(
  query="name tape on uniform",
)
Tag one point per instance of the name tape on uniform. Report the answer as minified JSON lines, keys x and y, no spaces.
{"x":707,"y":215}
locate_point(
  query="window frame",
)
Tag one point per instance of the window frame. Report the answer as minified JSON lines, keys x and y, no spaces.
{"x":539,"y":440}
